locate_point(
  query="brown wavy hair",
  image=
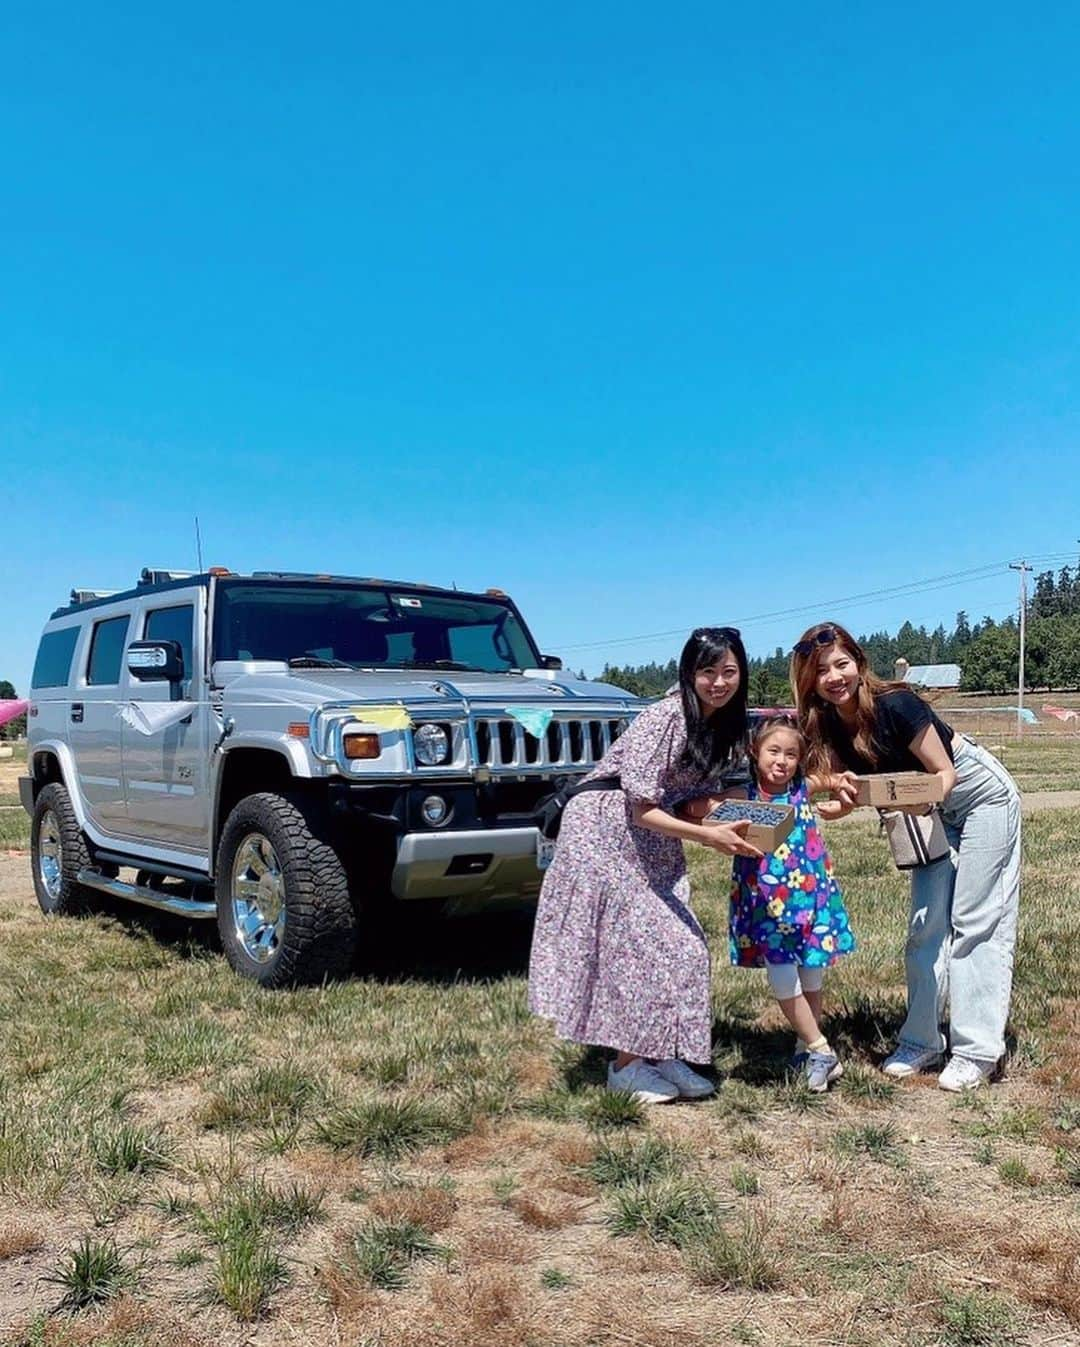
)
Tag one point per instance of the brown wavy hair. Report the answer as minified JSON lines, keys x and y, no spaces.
{"x":812,"y":710}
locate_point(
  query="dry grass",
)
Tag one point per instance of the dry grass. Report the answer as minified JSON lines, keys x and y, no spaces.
{"x":426,"y":1205}
{"x":17,"y":1238}
{"x":873,"y":1217}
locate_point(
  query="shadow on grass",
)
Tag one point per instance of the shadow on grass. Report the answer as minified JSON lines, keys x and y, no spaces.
{"x":861,"y":1028}
{"x":181,"y":936}
{"x":416,"y":942}
{"x":398,"y":941}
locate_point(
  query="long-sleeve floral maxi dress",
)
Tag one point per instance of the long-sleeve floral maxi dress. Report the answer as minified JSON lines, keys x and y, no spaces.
{"x":618,"y":958}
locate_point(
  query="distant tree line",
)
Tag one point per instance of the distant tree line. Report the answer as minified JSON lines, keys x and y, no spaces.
{"x":14,"y":729}
{"x":988,"y":652}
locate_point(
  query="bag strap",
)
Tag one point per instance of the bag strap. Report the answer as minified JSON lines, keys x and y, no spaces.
{"x":597,"y":783}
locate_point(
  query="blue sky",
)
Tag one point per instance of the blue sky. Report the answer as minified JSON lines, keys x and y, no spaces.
{"x":650,"y":316}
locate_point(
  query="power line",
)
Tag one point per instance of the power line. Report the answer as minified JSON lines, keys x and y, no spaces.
{"x":869,"y":596}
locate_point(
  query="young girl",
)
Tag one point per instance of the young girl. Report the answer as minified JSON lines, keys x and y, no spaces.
{"x":787,"y":912}
{"x":962,"y":926}
{"x":618,"y":958}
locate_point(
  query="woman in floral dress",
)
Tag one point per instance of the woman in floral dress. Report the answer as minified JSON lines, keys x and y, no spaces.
{"x":618,"y":958}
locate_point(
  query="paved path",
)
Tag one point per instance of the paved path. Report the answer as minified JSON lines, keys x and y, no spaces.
{"x":1030,"y":801}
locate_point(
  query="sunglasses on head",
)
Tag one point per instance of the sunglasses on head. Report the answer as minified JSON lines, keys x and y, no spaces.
{"x":824,"y":637}
{"x":712,"y":633}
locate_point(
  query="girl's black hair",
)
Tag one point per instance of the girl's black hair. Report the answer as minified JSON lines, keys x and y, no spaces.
{"x":714,"y":743}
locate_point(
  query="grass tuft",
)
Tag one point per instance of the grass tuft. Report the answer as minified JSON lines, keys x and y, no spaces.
{"x":93,"y":1272}
{"x":744,"y":1260}
{"x":387,"y":1128}
{"x":247,"y":1272}
{"x":671,"y":1210}
{"x":977,"y":1320}
{"x":635,"y":1162}
{"x":129,"y":1149}
{"x":879,"y":1142}
{"x":273,"y":1097}
{"x":1016,"y":1174}
{"x":864,"y":1085}
{"x":608,"y":1109}
{"x":745,"y":1182}
{"x":382,"y":1251}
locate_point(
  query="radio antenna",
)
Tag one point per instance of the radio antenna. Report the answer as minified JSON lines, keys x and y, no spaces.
{"x":198,"y":545}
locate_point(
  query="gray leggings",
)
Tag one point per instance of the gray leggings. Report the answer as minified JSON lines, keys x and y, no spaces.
{"x":788,"y":980}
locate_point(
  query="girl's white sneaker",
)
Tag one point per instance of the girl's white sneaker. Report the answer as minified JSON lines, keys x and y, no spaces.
{"x":689,"y":1084}
{"x":641,"y":1081}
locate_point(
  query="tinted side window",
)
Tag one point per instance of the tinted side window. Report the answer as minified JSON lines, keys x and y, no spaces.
{"x":52,"y":668}
{"x":173,"y":624}
{"x":107,"y":650}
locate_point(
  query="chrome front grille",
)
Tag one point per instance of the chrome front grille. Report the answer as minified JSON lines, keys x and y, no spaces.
{"x":503,"y":743}
{"x":489,"y":742}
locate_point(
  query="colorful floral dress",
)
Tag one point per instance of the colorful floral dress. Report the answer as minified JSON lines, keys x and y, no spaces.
{"x":787,"y":907}
{"x":618,"y":958}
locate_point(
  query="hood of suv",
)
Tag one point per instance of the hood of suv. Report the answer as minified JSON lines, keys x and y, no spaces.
{"x":310,"y":688}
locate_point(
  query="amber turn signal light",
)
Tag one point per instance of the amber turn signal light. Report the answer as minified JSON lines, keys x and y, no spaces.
{"x":362,"y":746}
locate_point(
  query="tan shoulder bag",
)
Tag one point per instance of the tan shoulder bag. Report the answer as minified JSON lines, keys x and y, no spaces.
{"x":915,"y":839}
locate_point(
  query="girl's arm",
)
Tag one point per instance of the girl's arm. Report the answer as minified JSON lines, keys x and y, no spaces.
{"x":931,"y":752}
{"x":727,"y":838}
{"x":696,"y":809}
{"x":839,"y":782}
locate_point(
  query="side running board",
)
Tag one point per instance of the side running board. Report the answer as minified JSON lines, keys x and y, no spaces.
{"x":138,"y":893}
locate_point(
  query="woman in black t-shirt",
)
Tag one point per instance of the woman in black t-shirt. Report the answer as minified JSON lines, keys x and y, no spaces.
{"x":962,"y":929}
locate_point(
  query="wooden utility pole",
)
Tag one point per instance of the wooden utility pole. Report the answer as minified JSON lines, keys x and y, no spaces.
{"x":1023,"y":568}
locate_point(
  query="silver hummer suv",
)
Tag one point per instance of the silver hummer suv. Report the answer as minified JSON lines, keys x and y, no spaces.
{"x":282,"y":751}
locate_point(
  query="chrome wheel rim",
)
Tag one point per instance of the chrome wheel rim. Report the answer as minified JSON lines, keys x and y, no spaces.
{"x":50,"y":854}
{"x":258,"y":898}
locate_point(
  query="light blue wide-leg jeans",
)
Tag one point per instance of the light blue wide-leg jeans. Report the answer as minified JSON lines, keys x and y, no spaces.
{"x":962,"y":928}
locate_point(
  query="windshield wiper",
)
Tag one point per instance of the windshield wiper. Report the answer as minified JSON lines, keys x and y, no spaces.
{"x":316,"y":662}
{"x":431,"y":664}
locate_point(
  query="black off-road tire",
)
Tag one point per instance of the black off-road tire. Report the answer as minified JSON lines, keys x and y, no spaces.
{"x":319,"y":934}
{"x":55,"y":836}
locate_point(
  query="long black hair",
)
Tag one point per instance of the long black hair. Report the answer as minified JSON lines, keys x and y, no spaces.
{"x":719,"y":740}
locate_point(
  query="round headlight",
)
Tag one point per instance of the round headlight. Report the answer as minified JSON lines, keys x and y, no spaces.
{"x":434,"y":810}
{"x":432,"y":745}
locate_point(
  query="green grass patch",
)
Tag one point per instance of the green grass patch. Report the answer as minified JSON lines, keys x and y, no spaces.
{"x":879,"y":1142}
{"x":129,"y":1149}
{"x":382,"y":1252}
{"x":273,"y":1097}
{"x":387,"y":1128}
{"x":14,"y":830}
{"x":93,"y":1272}
{"x":978,"y":1320}
{"x":1016,"y":1174}
{"x":672,"y":1210}
{"x":745,"y":1181}
{"x":637,"y":1162}
{"x":743,"y":1259}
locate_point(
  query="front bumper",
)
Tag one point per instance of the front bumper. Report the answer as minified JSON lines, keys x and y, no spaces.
{"x":480,"y":865}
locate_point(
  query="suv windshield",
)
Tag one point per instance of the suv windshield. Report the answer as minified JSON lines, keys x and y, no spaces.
{"x":323,"y":625}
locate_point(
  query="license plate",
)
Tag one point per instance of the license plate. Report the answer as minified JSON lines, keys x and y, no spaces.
{"x":545,"y":851}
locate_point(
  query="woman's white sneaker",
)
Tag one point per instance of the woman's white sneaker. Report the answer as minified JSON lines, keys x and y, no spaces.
{"x":964,"y":1074}
{"x":908,"y":1060}
{"x":641,"y":1081}
{"x":688,"y":1083}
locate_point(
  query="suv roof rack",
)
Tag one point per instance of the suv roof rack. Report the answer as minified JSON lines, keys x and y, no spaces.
{"x":89,"y":595}
{"x":355,"y":579}
{"x":153,"y":576}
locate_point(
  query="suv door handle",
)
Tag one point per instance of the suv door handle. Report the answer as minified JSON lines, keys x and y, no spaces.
{"x":77,"y":712}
